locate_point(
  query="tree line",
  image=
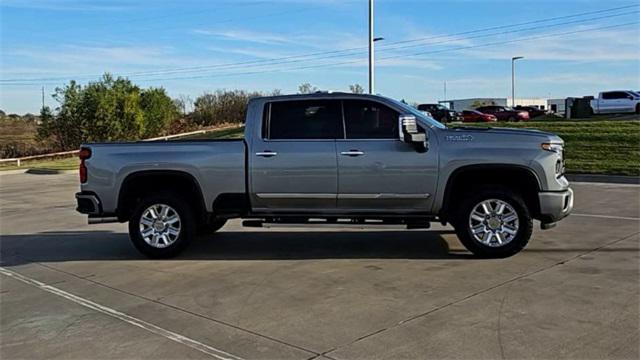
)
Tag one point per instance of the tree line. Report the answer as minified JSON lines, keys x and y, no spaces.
{"x":116,"y":109}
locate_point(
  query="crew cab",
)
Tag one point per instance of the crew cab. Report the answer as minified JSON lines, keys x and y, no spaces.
{"x":331,"y":158}
{"x":609,"y":102}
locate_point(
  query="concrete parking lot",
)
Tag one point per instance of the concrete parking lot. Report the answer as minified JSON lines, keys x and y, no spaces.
{"x":69,"y":290}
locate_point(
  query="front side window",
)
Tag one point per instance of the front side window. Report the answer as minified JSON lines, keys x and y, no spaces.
{"x":307,"y":119}
{"x":369,"y":120}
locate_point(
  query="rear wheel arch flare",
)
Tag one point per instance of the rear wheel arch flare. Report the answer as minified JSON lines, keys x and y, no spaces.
{"x":148,"y":181}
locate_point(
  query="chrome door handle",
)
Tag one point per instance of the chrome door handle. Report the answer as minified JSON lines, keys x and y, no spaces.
{"x":352,"y":153}
{"x":267,"y":153}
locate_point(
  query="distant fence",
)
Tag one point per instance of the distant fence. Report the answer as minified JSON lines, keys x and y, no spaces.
{"x":20,"y":160}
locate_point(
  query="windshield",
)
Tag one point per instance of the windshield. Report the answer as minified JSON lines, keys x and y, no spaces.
{"x":418,"y":114}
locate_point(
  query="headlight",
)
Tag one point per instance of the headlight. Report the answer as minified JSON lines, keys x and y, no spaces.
{"x":558,"y":149}
{"x":554,"y":147}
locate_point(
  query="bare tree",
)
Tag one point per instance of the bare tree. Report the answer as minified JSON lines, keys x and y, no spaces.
{"x":307,"y":88}
{"x":356,"y":89}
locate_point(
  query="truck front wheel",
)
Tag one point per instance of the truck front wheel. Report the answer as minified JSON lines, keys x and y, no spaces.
{"x":494,"y":223}
{"x":161,"y":226}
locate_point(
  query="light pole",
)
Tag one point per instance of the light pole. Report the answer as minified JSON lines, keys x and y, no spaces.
{"x":513,"y":78}
{"x":371,"y":50}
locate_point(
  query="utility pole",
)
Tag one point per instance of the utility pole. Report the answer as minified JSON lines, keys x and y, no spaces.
{"x":445,"y":90}
{"x":513,"y":78}
{"x":371,"y":50}
{"x":43,"y":97}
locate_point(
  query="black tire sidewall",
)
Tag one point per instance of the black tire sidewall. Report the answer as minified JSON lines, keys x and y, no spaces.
{"x":186,"y":220}
{"x":516,"y":245}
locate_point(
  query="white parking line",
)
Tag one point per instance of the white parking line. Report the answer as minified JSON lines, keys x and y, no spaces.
{"x":196,"y":345}
{"x":607,"y":217}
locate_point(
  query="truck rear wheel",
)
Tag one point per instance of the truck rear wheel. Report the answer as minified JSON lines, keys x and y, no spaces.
{"x":161,"y":226}
{"x":494,"y":223}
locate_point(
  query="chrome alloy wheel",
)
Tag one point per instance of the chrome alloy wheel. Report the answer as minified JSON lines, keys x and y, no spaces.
{"x":160,"y":225}
{"x":493,"y":223}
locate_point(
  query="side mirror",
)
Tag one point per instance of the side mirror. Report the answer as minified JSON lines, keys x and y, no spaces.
{"x":409,"y":130}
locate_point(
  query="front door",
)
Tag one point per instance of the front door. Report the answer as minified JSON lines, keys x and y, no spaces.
{"x":376,"y":171}
{"x":293,"y":166}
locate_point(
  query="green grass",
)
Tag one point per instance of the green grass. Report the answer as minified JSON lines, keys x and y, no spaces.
{"x":594,"y":147}
{"x":67,"y":163}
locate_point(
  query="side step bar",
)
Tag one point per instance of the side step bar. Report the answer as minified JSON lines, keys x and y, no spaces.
{"x":341,"y":223}
{"x":102,"y":220}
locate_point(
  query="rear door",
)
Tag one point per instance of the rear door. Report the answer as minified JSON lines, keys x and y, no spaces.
{"x":376,"y":171}
{"x":293,"y":165}
{"x":607,"y":102}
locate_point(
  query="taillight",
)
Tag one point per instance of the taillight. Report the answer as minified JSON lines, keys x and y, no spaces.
{"x":83,"y":154}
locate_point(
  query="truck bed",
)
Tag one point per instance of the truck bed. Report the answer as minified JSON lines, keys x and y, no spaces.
{"x":217,"y":165}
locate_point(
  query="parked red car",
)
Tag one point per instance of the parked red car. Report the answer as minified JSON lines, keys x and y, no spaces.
{"x":504,"y":113}
{"x":477,"y":116}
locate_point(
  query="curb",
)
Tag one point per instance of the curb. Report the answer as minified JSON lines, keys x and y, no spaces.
{"x":38,"y":171}
{"x":610,"y":179}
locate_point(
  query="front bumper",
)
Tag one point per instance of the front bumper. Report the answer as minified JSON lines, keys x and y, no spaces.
{"x":555,"y":205}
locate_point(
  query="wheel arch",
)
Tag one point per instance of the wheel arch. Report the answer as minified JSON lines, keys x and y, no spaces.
{"x":515,"y":177}
{"x":141,"y":183}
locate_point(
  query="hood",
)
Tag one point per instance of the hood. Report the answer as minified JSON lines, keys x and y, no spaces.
{"x":502,"y":132}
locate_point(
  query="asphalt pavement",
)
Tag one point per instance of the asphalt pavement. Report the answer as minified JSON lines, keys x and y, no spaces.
{"x":72,"y":290}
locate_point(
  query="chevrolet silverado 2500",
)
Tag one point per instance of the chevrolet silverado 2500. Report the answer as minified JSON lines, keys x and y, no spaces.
{"x":331,"y":158}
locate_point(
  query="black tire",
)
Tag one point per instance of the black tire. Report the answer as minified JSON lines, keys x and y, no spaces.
{"x":512,"y":118}
{"x":518,"y":242}
{"x":638,"y":109}
{"x":186,"y":222}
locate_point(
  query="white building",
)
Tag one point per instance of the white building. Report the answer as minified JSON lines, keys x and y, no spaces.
{"x":539,"y":103}
{"x":556,"y":106}
{"x":472,"y":103}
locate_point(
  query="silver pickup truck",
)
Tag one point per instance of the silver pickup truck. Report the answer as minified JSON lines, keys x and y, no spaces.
{"x":332,"y":158}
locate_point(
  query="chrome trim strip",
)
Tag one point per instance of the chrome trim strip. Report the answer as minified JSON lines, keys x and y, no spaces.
{"x":295,"y":196}
{"x":383,"y":196}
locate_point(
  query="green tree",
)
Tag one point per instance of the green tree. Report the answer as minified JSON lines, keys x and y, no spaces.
{"x":158,"y":111}
{"x":105,"y":110}
{"x":222,"y":106}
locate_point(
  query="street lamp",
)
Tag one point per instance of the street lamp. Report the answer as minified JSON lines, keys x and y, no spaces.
{"x":513,"y":78}
{"x":371,"y":50}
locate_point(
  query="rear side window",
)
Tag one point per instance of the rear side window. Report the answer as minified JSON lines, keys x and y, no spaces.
{"x":308,"y":119}
{"x":370,"y":120}
{"x":614,"y":95}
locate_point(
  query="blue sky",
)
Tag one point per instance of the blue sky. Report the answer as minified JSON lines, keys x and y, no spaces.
{"x":189,"y":47}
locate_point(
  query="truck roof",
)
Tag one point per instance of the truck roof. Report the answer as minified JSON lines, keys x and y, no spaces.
{"x":320,"y":94}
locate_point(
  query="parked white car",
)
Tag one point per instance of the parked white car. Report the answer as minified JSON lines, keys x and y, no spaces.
{"x":620,"y":101}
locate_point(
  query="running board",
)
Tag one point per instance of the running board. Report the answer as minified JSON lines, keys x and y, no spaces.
{"x":335,"y":224}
